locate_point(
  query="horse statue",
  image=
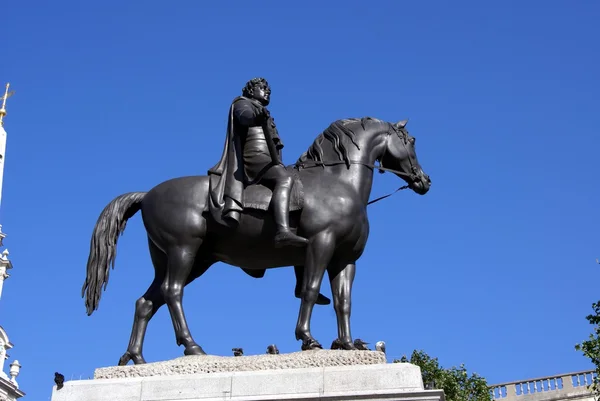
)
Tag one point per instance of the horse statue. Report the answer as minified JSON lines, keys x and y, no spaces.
{"x":334,"y":179}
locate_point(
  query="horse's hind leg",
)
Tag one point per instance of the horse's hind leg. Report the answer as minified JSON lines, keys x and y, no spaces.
{"x":180,"y":264}
{"x":146,"y":307}
{"x":151,"y":301}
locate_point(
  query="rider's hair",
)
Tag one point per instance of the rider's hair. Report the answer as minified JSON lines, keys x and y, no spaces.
{"x":247,"y":90}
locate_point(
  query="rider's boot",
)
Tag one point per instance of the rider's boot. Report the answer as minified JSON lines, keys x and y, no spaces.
{"x":281,"y":206}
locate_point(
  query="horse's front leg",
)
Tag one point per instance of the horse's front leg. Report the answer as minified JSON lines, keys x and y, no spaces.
{"x":341,"y":279}
{"x":299,"y":272}
{"x":318,"y":255}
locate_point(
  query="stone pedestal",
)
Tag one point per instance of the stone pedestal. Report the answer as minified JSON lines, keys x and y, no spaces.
{"x":264,"y":377}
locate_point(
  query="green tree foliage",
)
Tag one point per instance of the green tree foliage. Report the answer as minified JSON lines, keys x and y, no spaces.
{"x":591,"y":347}
{"x":455,"y":381}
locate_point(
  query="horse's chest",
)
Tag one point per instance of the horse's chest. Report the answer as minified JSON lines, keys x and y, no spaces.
{"x":358,"y":233}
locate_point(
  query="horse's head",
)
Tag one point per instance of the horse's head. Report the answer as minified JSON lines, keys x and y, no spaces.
{"x":400,"y":155}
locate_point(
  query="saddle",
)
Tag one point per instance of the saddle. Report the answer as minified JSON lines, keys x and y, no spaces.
{"x":258,"y":196}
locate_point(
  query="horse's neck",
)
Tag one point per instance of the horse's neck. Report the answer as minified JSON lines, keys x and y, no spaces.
{"x":359,"y":175}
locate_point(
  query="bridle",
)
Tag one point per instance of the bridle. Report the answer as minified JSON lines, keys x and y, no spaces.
{"x":411,"y":178}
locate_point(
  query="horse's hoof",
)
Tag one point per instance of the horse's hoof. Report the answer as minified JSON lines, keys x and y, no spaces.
{"x":124,"y":359}
{"x":194,"y":350}
{"x":310,"y":344}
{"x":342,"y":345}
{"x":128,"y":356}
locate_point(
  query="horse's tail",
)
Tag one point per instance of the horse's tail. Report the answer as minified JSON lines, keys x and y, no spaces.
{"x":103,"y":247}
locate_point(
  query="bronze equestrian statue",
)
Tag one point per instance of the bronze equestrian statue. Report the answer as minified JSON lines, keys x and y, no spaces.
{"x":189,"y":228}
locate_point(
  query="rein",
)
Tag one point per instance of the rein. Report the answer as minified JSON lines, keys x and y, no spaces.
{"x":371,"y":166}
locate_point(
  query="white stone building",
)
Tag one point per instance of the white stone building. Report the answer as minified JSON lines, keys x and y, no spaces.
{"x":9,"y":388}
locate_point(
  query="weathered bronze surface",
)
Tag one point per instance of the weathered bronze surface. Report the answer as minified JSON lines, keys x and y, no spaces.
{"x":238,"y":214}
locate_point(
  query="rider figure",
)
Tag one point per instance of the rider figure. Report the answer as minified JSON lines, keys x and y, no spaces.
{"x":252,"y":154}
{"x":256,"y":158}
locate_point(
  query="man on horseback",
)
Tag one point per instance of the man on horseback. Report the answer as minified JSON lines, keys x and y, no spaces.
{"x":252,"y":155}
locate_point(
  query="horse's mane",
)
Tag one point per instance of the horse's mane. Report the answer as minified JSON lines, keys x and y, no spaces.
{"x":341,"y":134}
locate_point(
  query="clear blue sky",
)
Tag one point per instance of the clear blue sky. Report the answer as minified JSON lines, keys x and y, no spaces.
{"x":494,"y":267}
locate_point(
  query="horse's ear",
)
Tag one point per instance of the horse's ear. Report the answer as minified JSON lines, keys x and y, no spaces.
{"x":401,"y":124}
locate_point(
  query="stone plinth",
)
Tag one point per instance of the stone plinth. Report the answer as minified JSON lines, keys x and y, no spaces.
{"x":260,"y":378}
{"x":221,"y":364}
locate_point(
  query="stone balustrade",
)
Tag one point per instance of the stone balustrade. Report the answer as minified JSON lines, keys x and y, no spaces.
{"x":570,"y":385}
